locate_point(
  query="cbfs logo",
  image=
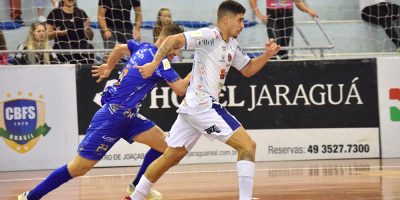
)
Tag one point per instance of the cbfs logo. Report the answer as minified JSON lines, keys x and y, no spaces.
{"x":394,"y":94}
{"x":22,"y":122}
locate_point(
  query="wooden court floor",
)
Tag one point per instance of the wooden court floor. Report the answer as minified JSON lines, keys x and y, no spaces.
{"x":361,"y":179}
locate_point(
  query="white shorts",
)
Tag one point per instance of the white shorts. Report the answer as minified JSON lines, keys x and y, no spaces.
{"x":217,"y":123}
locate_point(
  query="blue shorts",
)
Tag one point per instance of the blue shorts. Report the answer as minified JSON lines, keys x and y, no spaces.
{"x":106,"y":129}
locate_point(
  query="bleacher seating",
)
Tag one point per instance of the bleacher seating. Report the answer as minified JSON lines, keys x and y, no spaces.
{"x":9,"y":25}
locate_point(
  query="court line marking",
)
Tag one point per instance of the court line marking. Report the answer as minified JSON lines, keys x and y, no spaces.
{"x":211,"y":171}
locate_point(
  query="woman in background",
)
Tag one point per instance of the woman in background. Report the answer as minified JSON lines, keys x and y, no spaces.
{"x":69,"y":26}
{"x":37,"y":40}
{"x":279,"y":20}
{"x":163,"y":18}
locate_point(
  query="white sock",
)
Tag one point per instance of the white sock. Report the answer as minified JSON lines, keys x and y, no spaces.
{"x":245,"y":170}
{"x":142,"y":189}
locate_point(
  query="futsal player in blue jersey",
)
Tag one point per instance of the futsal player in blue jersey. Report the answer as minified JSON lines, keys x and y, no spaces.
{"x":119,"y":116}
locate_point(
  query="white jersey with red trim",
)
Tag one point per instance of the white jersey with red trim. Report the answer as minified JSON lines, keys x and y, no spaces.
{"x":213,"y":58}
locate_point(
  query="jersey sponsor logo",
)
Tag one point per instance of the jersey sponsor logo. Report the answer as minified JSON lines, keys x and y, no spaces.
{"x":241,"y":50}
{"x":222,"y":74}
{"x":212,"y":129}
{"x":108,"y":139}
{"x":223,"y":48}
{"x":166,"y":64}
{"x":22,"y":122}
{"x":195,"y":33}
{"x":206,"y":42}
{"x":394,"y":94}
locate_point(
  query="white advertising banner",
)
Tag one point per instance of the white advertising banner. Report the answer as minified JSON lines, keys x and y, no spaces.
{"x":38,"y":117}
{"x":278,"y":144}
{"x":308,"y":144}
{"x":389,"y":105}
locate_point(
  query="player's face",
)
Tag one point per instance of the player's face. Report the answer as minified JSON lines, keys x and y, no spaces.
{"x":39,"y":33}
{"x":173,"y":53}
{"x":235,"y":24}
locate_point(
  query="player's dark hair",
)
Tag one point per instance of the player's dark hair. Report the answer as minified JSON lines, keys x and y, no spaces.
{"x":230,"y":7}
{"x":171,"y":29}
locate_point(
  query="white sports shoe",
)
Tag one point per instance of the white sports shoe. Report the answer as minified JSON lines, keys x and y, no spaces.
{"x":23,"y":196}
{"x":153,"y":195}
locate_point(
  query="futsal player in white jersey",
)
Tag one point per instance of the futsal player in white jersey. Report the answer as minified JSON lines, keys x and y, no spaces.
{"x":216,"y":50}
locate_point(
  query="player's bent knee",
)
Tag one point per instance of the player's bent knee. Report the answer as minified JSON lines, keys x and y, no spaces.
{"x":253,"y":145}
{"x":78,"y":169}
{"x":247,"y":151}
{"x":175,"y":156}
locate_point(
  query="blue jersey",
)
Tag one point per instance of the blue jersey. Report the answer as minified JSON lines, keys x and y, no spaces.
{"x":119,"y":118}
{"x":126,"y":95}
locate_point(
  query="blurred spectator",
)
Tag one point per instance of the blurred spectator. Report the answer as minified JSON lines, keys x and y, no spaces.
{"x":279,"y":19}
{"x":56,"y":3}
{"x":163,"y":18}
{"x":382,"y":13}
{"x":3,"y":56}
{"x":40,"y":10}
{"x":15,"y":11}
{"x":37,"y":40}
{"x":114,"y":17}
{"x":70,"y":28}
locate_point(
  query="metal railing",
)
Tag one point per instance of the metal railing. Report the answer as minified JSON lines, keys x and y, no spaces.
{"x":330,"y":44}
{"x":250,"y":49}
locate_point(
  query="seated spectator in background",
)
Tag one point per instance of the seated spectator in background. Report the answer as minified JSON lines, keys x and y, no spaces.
{"x":37,"y":40}
{"x":382,"y":13}
{"x":163,"y":18}
{"x":280,"y":20}
{"x":114,"y":18}
{"x":15,"y":11}
{"x":3,"y":56}
{"x":69,"y":26}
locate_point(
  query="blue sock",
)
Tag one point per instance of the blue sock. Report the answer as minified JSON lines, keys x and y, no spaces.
{"x":150,"y":156}
{"x":53,"y":181}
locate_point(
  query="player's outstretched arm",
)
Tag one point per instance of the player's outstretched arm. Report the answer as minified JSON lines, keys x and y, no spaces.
{"x":180,"y":86}
{"x":103,"y":71}
{"x":170,"y":43}
{"x":256,"y":64}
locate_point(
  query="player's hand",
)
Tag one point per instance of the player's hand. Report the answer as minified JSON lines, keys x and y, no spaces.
{"x":146,"y":70}
{"x":102,"y":71}
{"x":271,"y":48}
